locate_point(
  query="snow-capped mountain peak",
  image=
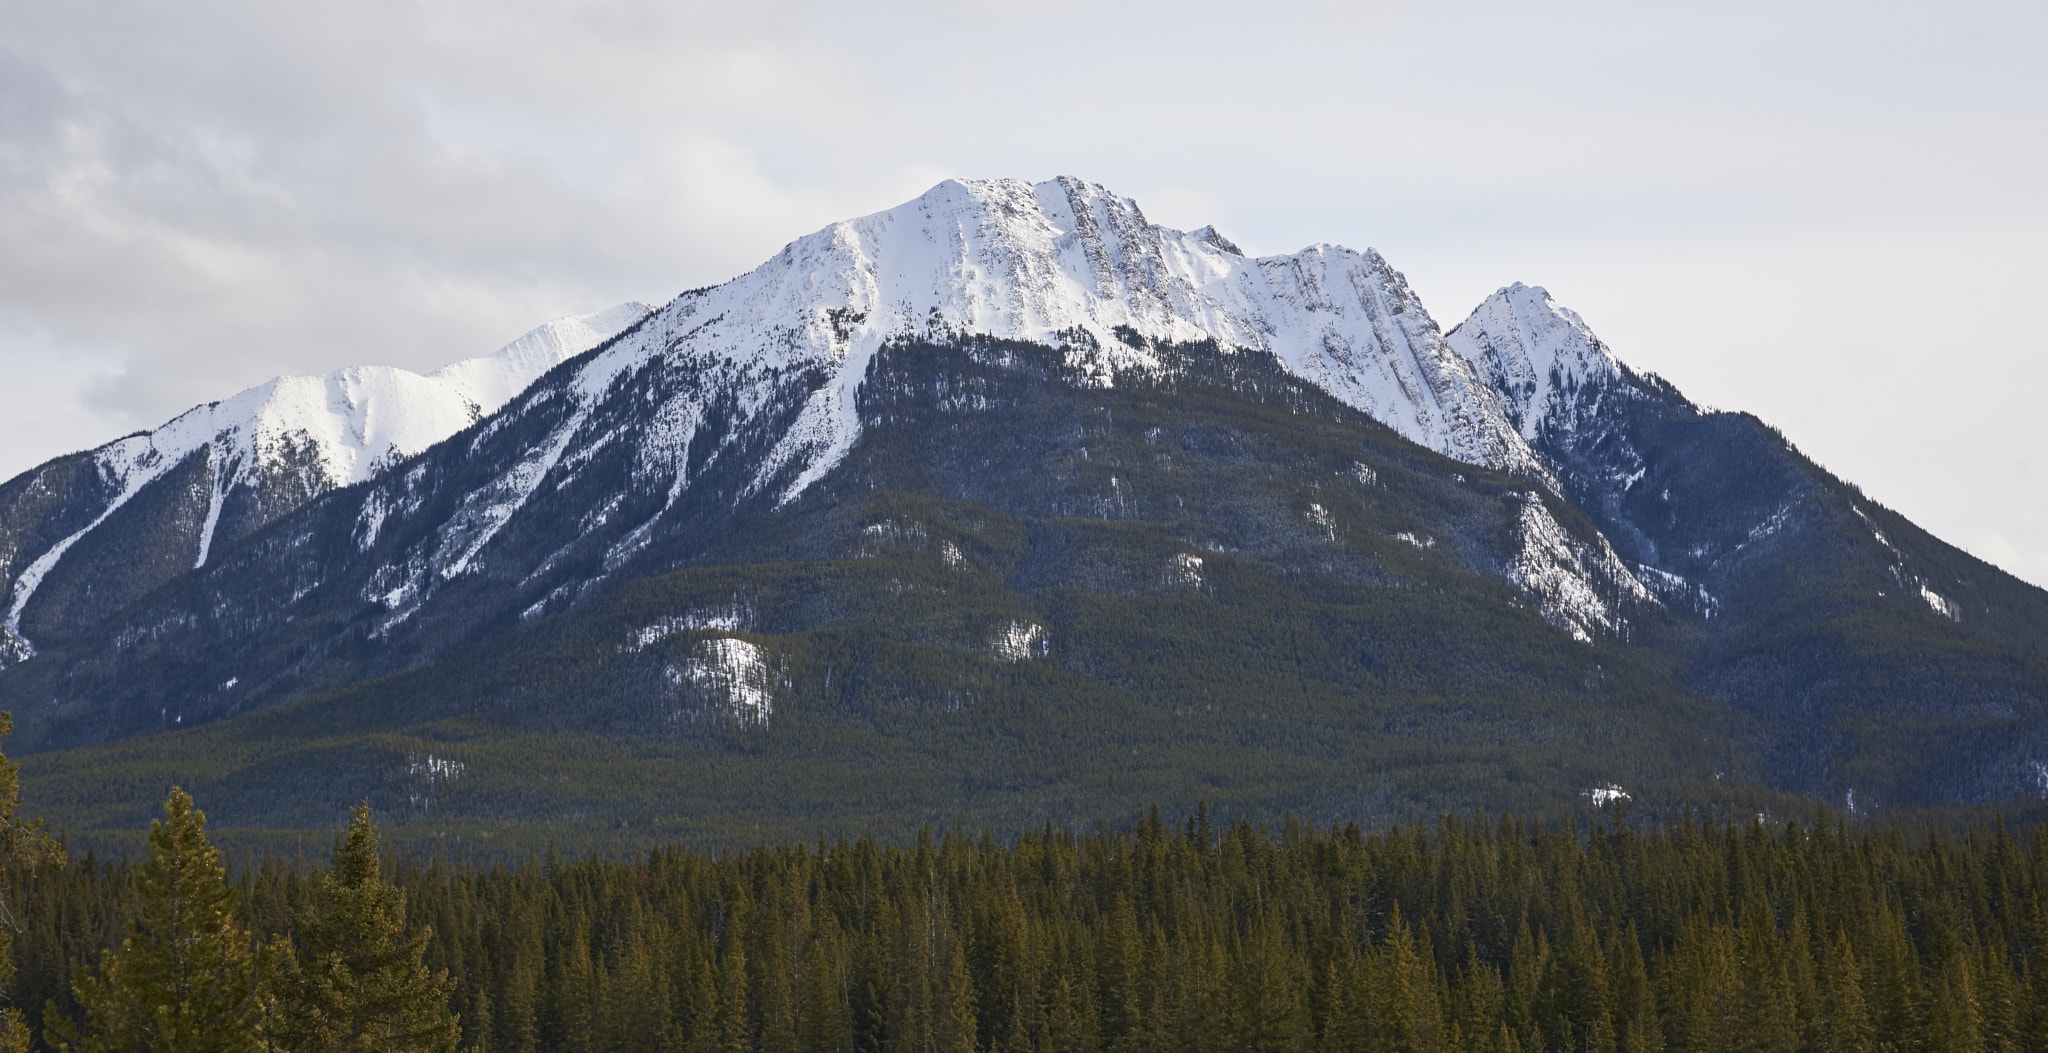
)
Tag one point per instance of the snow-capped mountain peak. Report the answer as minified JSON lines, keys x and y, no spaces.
{"x":1068,"y":263}
{"x":268,"y":449}
{"x":362,"y":418}
{"x":762,"y":376}
{"x":1536,"y":354}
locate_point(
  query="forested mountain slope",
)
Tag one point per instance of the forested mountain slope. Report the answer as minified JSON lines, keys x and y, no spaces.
{"x":1007,"y":505}
{"x":1886,"y":663}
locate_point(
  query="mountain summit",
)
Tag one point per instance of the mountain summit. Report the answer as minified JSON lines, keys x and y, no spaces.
{"x":1010,"y":464}
{"x":1069,"y":263}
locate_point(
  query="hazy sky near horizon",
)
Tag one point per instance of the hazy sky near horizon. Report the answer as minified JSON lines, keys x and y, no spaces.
{"x":1829,"y":214}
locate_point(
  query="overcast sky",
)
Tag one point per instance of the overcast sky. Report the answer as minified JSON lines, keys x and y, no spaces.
{"x":1829,"y":214}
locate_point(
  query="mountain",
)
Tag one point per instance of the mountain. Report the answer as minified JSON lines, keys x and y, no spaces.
{"x":1886,"y":663}
{"x":1007,"y":501}
{"x":82,"y":536}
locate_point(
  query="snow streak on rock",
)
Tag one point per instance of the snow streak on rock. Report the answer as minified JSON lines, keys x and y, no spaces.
{"x":1940,"y":604}
{"x":727,"y":619}
{"x":12,"y":648}
{"x":1575,"y":585}
{"x":1541,"y":358}
{"x":286,"y":441}
{"x":1908,"y":580}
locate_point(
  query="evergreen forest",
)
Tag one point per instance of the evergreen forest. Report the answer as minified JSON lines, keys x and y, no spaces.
{"x":1465,"y":934}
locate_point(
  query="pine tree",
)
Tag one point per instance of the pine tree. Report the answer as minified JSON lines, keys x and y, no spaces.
{"x":1998,"y":1003}
{"x":734,"y":1034}
{"x":1407,"y":1016}
{"x":518,"y":1014}
{"x":1576,"y":991}
{"x":1067,"y":1027}
{"x":184,"y":980}
{"x":1636,"y":1026}
{"x":1768,"y":1018}
{"x":23,"y":846}
{"x":822,"y":1028}
{"x":1479,"y":998}
{"x":1848,"y":1028}
{"x":352,"y":980}
{"x":1952,"y":1017}
{"x":955,"y":1025}
{"x":1526,"y":966}
{"x":1270,"y":1012}
{"x":1349,"y":1025}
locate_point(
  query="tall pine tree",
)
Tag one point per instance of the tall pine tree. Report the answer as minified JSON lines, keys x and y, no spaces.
{"x":184,"y":979}
{"x":352,"y":979}
{"x":23,"y":847}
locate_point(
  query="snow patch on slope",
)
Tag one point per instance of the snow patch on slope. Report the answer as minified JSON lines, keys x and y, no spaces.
{"x":727,"y":619}
{"x":1604,"y":794}
{"x":12,"y":648}
{"x":735,"y":677}
{"x":1675,"y":589}
{"x":1913,"y":583}
{"x":1018,"y":641}
{"x":1940,"y":604}
{"x":134,"y":462}
{"x":1565,"y":576}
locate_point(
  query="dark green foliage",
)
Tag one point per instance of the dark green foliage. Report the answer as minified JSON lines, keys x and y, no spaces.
{"x":184,"y":980}
{"x":24,"y":849}
{"x":351,"y":980}
{"x":1471,"y":936}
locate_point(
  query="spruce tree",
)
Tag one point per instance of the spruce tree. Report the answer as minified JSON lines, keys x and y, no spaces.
{"x":1635,"y":1023}
{"x":23,"y":847}
{"x":1848,"y":1028}
{"x":734,"y":1035}
{"x":955,"y":1026}
{"x":1407,"y":1015}
{"x":184,"y":979}
{"x":352,"y":979}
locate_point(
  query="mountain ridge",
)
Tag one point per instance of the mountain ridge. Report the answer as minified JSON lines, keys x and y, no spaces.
{"x":271,"y":447}
{"x":1022,"y":325}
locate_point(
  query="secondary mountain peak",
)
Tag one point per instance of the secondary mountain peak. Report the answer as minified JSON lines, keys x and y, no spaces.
{"x":73,"y":526}
{"x":1539,"y":356}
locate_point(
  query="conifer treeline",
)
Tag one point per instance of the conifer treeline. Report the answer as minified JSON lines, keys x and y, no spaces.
{"x":1471,"y":936}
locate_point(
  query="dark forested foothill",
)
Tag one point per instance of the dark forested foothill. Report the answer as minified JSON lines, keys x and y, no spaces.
{"x":1465,"y":935}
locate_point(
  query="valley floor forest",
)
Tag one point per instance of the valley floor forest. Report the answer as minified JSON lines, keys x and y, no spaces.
{"x":1470,"y":934}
